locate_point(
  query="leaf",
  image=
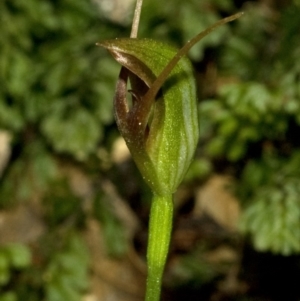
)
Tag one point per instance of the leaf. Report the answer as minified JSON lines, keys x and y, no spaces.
{"x":8,"y":296}
{"x":67,"y":273}
{"x":77,"y":132}
{"x":19,"y":255}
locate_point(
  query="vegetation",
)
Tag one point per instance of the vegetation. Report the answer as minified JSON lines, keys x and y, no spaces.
{"x":56,"y":91}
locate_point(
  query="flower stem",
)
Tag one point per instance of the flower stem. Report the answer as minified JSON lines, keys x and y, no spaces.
{"x":136,"y":19}
{"x":160,"y":229}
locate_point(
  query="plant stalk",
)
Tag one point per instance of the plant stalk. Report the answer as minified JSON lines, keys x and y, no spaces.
{"x":160,"y":228}
{"x":136,"y":19}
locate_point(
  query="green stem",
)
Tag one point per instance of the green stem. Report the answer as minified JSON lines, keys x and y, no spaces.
{"x":160,"y":228}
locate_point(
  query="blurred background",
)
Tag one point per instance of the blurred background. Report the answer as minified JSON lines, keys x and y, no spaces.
{"x":73,"y":208}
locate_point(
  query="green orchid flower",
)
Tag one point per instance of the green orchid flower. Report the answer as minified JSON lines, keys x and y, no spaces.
{"x":160,"y":127}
